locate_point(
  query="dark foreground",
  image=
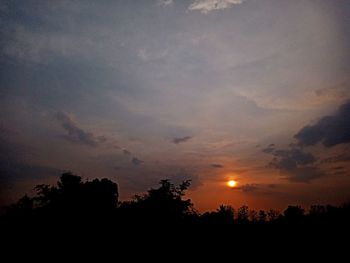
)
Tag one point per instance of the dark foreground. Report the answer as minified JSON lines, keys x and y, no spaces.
{"x":85,"y":218}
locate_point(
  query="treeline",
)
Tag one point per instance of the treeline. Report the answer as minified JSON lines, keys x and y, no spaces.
{"x":98,"y":199}
{"x":85,"y":217}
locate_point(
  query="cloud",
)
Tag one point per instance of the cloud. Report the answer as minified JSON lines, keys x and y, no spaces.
{"x":343,"y":157}
{"x":18,"y":170}
{"x":329,"y":130}
{"x":304,"y":174}
{"x":15,"y":164}
{"x":339,"y":170}
{"x":143,"y":54}
{"x":336,"y":92}
{"x":269,"y":149}
{"x":101,"y":139}
{"x":75,"y":133}
{"x":216,"y":165}
{"x":135,"y":161}
{"x":299,"y":166}
{"x":178,"y":140}
{"x":165,"y":3}
{"x":205,"y":6}
{"x":291,"y":159}
{"x":295,"y":165}
{"x":247,"y":188}
{"x":126,"y":152}
{"x":257,"y":188}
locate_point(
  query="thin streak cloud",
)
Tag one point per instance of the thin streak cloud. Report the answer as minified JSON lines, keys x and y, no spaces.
{"x":206,"y":6}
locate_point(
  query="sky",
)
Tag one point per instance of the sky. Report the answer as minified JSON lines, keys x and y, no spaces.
{"x":209,"y":90}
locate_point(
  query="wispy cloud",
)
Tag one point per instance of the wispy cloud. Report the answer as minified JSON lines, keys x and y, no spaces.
{"x":75,"y":133}
{"x":247,"y":188}
{"x":165,"y":3}
{"x":216,"y":165}
{"x":256,"y":188}
{"x":342,"y":157}
{"x":205,"y":6}
{"x":178,"y":140}
{"x":135,"y":161}
{"x":269,"y":149}
{"x":126,"y":152}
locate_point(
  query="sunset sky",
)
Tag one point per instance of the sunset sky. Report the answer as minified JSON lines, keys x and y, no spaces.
{"x":210,"y":90}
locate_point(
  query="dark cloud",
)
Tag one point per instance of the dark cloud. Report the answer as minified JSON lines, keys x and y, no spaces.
{"x":11,"y":150}
{"x":216,"y":165}
{"x":101,"y":139}
{"x":330,"y":130}
{"x":269,"y":149}
{"x":14,"y":172}
{"x":338,"y":168}
{"x":339,"y":172}
{"x":296,"y":165}
{"x":247,"y":188}
{"x":291,"y":159}
{"x":15,"y":167}
{"x":304,"y":174}
{"x":343,"y":157}
{"x":257,"y":188}
{"x":135,"y":161}
{"x":126,"y":152}
{"x":300,"y":166}
{"x":75,"y":133}
{"x":17,"y":171}
{"x":178,"y":140}
{"x":6,"y":132}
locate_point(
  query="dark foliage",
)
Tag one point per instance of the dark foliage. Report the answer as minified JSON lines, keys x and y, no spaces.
{"x":89,"y":213}
{"x":71,"y":197}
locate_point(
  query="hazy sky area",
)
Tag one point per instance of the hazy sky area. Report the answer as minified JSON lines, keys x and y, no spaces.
{"x":209,"y":90}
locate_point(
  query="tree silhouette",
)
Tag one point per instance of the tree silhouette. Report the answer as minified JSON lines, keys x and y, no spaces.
{"x":262,"y":216}
{"x":273,"y":215}
{"x":23,"y":207}
{"x":73,"y":204}
{"x":163,"y":203}
{"x":243,"y":213}
{"x":317,"y":210}
{"x":71,"y":197}
{"x":225,"y":213}
{"x":253,"y":216}
{"x":294,"y":213}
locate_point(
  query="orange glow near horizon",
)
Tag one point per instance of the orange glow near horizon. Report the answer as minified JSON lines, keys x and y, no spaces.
{"x":231,"y":183}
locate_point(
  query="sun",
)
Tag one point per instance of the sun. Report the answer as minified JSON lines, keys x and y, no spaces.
{"x":231,"y":183}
